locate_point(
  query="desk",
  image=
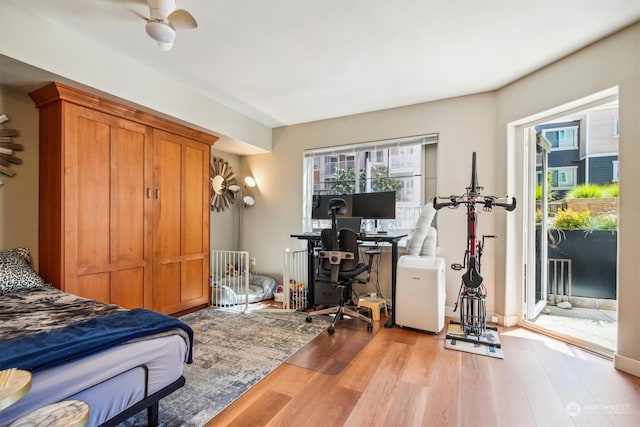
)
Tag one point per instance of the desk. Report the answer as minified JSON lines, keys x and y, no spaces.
{"x":312,"y":242}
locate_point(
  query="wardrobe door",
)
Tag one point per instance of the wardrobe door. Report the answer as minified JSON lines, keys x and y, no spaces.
{"x":181,"y":223}
{"x":107,"y":211}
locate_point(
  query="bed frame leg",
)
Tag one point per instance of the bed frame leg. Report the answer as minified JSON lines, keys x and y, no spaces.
{"x":152,"y":415}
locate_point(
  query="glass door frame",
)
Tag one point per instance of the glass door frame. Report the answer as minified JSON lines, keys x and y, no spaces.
{"x":536,"y":145}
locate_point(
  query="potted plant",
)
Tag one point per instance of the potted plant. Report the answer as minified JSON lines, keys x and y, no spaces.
{"x":590,"y":242}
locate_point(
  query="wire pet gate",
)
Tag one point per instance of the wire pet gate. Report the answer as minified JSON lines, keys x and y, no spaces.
{"x":295,"y":288}
{"x":230,"y":280}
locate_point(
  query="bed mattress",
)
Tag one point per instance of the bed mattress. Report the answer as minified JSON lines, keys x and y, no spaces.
{"x":139,"y":369}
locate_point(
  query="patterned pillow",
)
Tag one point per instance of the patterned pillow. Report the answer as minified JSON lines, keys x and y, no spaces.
{"x":16,"y":273}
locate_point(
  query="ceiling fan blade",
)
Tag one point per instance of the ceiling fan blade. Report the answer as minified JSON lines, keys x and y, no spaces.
{"x":180,"y":19}
{"x":138,"y":14}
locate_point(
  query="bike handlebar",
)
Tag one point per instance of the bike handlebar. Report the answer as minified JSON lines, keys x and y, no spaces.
{"x":508,"y":206}
{"x":488,"y":201}
{"x":453,"y":201}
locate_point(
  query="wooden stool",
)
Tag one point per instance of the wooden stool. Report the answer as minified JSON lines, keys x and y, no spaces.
{"x":375,"y":305}
{"x":68,"y":413}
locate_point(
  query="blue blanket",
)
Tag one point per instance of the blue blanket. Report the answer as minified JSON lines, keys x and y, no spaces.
{"x":54,"y":347}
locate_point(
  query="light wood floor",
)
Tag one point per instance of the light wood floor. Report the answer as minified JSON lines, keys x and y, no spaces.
{"x":402,"y":377}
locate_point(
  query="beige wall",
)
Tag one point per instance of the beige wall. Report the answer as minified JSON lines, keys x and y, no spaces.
{"x":19,"y":194}
{"x":225,"y":224}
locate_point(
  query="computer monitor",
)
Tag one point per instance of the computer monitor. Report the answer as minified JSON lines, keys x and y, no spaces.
{"x":320,"y":205}
{"x":353,"y":223}
{"x":379,"y":205}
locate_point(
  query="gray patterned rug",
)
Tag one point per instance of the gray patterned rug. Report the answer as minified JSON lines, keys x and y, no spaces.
{"x":232,"y":353}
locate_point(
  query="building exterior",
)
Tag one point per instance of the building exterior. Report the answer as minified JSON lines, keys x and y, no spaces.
{"x":584,"y":150}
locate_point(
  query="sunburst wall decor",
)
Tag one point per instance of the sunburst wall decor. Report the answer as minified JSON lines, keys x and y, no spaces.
{"x":221,"y":177}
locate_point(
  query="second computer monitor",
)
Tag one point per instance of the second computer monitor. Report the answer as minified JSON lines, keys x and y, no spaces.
{"x":379,"y":205}
{"x":353,"y":223}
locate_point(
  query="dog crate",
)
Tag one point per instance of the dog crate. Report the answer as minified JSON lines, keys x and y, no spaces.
{"x":295,"y":289}
{"x":229,"y":279}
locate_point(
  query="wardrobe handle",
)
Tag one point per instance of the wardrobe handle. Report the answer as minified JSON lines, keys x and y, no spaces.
{"x":157,"y":193}
{"x":148,"y":192}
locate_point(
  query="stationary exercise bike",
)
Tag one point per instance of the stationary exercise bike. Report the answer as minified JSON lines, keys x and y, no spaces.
{"x":473,"y":294}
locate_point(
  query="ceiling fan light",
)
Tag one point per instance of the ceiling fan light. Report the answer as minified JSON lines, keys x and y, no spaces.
{"x":160,"y":32}
{"x":165,"y":46}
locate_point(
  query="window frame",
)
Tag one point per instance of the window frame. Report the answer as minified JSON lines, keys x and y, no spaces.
{"x":556,"y":170}
{"x":563,"y":129}
{"x":308,"y":173}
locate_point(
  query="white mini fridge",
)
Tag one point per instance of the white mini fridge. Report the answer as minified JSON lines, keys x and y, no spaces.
{"x":420,"y":293}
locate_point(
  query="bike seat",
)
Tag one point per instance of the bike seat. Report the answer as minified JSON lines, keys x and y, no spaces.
{"x":472,"y":279}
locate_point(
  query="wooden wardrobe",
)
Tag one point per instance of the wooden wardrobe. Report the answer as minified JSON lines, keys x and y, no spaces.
{"x":123,"y":207}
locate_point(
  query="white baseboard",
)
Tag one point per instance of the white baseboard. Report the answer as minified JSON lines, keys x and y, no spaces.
{"x":626,"y":364}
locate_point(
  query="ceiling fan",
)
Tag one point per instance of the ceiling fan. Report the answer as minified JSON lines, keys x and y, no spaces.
{"x":165,"y":19}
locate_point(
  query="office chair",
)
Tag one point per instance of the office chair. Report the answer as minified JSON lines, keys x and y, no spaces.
{"x":339,"y":265}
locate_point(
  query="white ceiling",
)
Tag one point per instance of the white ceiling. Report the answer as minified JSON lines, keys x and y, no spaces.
{"x":284,"y":62}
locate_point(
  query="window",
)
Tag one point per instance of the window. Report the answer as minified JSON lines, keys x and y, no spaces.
{"x":563,"y":178}
{"x":565,"y":138}
{"x":389,"y":165}
{"x":615,"y":127}
{"x":615,"y":171}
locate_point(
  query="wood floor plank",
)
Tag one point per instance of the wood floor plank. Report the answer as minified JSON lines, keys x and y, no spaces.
{"x":545,"y":401}
{"x":444,"y":402}
{"x":375,"y":402}
{"x":321,"y":402}
{"x":616,"y":394}
{"x":332,"y":353}
{"x":262,"y":411}
{"x":287,"y":380}
{"x":407,"y":405}
{"x":359,"y":373}
{"x":506,"y":392}
{"x":567,"y":382}
{"x":420,"y":362}
{"x":477,"y":391}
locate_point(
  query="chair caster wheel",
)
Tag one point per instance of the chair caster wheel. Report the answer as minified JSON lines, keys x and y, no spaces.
{"x":331,"y":330}
{"x":308,"y":319}
{"x":369,"y":327}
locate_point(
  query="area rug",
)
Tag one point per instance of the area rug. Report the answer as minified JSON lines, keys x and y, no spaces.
{"x":232,"y":353}
{"x":487,"y":345}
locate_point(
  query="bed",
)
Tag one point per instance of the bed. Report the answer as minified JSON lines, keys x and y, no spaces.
{"x":119,"y":361}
